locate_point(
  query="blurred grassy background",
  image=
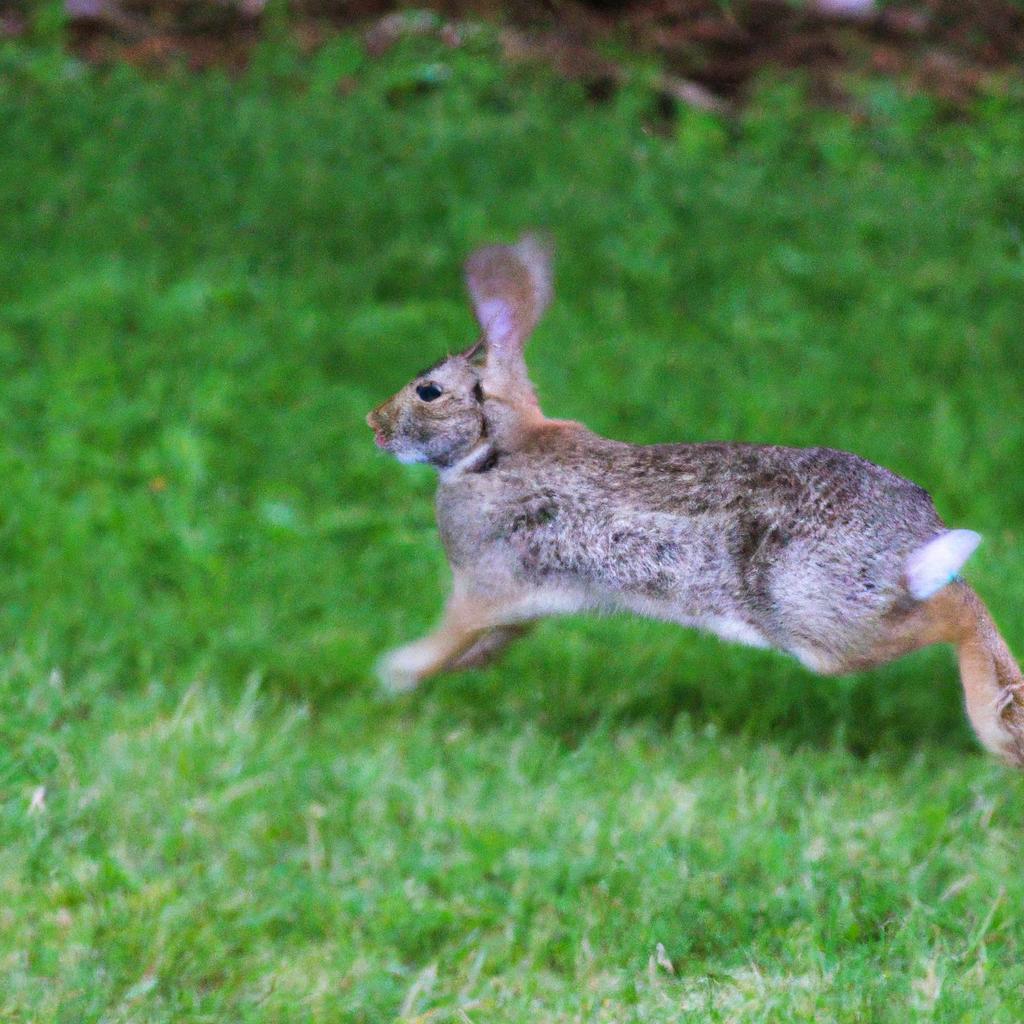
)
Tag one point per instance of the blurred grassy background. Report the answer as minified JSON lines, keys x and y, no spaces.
{"x":206,"y":811}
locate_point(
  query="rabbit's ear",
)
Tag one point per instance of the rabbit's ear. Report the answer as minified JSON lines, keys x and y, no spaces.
{"x":510,"y":286}
{"x":476,"y":352}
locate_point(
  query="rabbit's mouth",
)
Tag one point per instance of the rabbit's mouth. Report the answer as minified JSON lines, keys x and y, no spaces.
{"x":380,"y":438}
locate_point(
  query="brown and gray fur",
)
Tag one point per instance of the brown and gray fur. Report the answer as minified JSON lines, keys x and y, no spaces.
{"x":804,"y":550}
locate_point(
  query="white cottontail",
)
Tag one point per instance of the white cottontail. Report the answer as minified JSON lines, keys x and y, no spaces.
{"x":811,"y":551}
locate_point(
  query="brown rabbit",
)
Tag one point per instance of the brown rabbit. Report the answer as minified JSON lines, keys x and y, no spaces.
{"x":811,"y":551}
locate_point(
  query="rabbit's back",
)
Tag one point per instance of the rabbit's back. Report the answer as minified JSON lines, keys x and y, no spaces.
{"x":797,"y":548}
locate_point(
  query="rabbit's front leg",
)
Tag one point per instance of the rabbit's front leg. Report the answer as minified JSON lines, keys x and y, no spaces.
{"x":488,"y":646}
{"x":469,"y":628}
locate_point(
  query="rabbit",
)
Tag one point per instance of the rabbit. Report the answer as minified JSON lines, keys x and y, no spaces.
{"x":813,"y":552}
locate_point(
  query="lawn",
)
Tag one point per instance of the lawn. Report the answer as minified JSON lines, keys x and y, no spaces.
{"x":207,"y":813}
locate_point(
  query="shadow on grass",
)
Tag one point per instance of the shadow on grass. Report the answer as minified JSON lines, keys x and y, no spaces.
{"x":574,"y":678}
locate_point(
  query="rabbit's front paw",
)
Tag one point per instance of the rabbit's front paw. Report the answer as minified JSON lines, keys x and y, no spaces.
{"x":401,"y":670}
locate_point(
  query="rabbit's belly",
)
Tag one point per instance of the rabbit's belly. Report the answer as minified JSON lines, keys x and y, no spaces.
{"x":733,"y":628}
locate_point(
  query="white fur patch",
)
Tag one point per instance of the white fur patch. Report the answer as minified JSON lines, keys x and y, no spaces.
{"x":932,"y":566}
{"x":725,"y":627}
{"x":552,"y":601}
{"x":409,"y":456}
{"x":733,"y":629}
{"x":400,"y":670}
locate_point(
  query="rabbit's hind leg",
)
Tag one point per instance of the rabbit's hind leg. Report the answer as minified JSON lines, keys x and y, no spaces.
{"x":992,"y":681}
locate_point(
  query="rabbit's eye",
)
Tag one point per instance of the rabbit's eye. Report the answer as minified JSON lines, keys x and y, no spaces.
{"x":428,"y":392}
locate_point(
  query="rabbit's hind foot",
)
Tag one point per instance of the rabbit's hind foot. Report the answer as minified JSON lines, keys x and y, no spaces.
{"x":992,"y":680}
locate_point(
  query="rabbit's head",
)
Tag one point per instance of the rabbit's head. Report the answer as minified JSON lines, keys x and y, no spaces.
{"x":447,"y":411}
{"x":437,"y":417}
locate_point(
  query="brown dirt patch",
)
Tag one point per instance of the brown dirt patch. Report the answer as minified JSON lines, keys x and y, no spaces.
{"x":711,"y":49}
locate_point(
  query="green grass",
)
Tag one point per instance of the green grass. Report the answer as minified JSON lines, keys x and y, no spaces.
{"x":207,"y":814}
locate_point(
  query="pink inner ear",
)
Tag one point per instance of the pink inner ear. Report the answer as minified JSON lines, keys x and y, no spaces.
{"x":496,"y":318}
